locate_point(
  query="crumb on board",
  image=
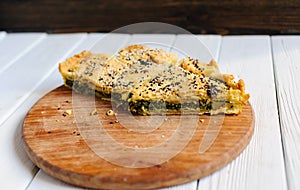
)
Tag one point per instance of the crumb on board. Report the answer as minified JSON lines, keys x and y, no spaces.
{"x":67,"y":112}
{"x":201,"y":120}
{"x":110,"y":113}
{"x":75,"y":132}
{"x":94,"y":112}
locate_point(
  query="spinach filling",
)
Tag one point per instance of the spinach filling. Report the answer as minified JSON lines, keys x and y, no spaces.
{"x":146,"y":107}
{"x":84,"y":88}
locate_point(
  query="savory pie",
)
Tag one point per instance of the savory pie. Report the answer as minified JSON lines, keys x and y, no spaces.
{"x":147,"y":81}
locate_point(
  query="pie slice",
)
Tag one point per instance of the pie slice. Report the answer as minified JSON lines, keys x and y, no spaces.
{"x":147,"y":81}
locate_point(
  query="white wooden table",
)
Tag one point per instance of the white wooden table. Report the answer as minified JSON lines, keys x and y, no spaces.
{"x":270,"y":66}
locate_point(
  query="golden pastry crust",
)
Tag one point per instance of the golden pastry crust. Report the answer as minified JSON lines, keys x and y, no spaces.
{"x":69,"y":67}
{"x":136,"y":52}
{"x":212,"y":70}
{"x":198,"y":67}
{"x":143,"y":76}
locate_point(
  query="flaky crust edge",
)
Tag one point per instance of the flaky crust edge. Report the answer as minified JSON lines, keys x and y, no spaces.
{"x":68,"y":68}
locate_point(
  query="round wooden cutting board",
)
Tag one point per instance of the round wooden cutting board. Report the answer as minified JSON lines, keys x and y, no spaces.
{"x":76,"y":139}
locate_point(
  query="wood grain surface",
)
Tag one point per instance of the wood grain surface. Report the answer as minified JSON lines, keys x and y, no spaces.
{"x":59,"y":134}
{"x":197,"y":16}
{"x":285,"y":52}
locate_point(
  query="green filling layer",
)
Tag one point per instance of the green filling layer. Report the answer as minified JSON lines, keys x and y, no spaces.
{"x":84,"y":88}
{"x":147,"y":107}
{"x":144,"y":107}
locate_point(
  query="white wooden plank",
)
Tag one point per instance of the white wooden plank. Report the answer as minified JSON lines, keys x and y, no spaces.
{"x":15,"y":45}
{"x":286,"y":56}
{"x":16,"y":170}
{"x":2,"y":34}
{"x":187,"y":186}
{"x":110,"y":43}
{"x":164,"y":41}
{"x":45,"y":182}
{"x":113,"y":42}
{"x":213,"y":43}
{"x":197,"y":46}
{"x":261,"y":165}
{"x":20,"y":79}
